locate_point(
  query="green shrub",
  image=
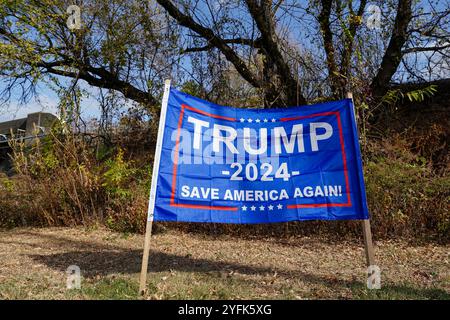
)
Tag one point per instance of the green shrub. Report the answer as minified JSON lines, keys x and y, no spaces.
{"x":406,"y":199}
{"x":118,"y":176}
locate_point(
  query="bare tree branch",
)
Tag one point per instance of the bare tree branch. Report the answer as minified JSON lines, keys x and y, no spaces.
{"x":249,"y":42}
{"x":424,"y":49}
{"x":262,"y":14}
{"x":393,"y":54}
{"x":327,"y":35}
{"x":214,"y":40}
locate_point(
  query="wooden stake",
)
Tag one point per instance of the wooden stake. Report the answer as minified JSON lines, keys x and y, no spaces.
{"x":145,"y":256}
{"x":367,"y":233}
{"x":151,"y":205}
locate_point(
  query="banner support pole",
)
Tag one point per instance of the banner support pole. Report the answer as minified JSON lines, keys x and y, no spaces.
{"x":155,"y":171}
{"x":367,"y":233}
{"x":145,"y":256}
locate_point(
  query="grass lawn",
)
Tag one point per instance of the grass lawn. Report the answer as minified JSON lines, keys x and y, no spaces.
{"x":188,"y":266}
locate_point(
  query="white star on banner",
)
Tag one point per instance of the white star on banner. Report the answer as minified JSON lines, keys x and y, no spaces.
{"x":271,"y":207}
{"x":257,"y":120}
{"x":242,"y":119}
{"x":261,"y":208}
{"x":280,"y":206}
{"x":253,"y":208}
{"x":250,"y":120}
{"x":265,"y":120}
{"x":273,"y":120}
{"x":244,"y":208}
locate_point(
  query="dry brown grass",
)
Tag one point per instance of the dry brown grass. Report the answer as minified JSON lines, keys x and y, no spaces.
{"x":33,"y":263}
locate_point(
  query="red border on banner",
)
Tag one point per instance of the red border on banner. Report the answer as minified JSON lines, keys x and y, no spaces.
{"x":344,"y":160}
{"x":292,"y":206}
{"x":175,"y":164}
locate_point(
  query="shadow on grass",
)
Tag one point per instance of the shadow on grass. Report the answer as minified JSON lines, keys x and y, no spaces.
{"x":102,"y":263}
{"x":101,"y":260}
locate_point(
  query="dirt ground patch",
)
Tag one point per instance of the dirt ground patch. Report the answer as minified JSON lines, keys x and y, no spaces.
{"x":33,"y":263}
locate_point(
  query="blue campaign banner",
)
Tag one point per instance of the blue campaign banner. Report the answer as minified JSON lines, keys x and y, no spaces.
{"x":230,"y":165}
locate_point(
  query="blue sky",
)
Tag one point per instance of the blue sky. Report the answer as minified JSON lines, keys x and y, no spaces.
{"x":47,"y":101}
